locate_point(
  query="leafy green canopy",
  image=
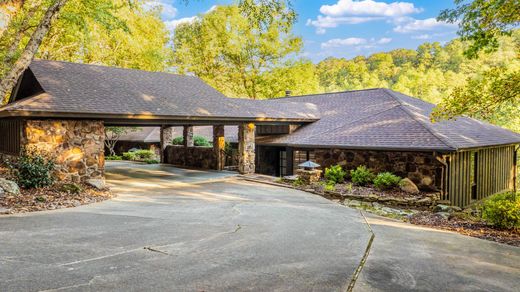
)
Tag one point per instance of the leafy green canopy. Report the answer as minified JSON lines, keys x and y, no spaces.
{"x":238,"y":56}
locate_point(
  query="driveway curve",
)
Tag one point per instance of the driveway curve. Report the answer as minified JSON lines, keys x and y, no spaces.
{"x":184,"y":230}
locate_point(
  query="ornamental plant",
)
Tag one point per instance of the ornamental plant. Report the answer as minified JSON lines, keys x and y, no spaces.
{"x":502,"y":210}
{"x":386,"y":180}
{"x":34,"y":169}
{"x":362,"y":176}
{"x":335,"y":174}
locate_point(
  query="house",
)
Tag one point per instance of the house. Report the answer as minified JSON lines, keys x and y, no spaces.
{"x":63,"y":108}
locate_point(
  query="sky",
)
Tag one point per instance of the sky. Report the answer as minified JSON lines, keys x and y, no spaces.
{"x":345,"y":28}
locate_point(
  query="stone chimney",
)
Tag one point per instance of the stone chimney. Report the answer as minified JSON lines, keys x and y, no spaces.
{"x":288,"y":93}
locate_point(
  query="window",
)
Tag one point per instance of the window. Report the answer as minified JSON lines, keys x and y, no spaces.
{"x":283,"y":163}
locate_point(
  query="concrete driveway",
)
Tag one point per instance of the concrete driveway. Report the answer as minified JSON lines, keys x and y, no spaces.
{"x":184,"y":230}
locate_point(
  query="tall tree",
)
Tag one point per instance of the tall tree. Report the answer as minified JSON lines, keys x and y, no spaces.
{"x":231,"y":52}
{"x":482,"y":22}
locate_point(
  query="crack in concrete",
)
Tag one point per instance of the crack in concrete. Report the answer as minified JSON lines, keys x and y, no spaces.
{"x":358,"y":270}
{"x":238,"y":228}
{"x":155,"y":250}
{"x":71,"y":286}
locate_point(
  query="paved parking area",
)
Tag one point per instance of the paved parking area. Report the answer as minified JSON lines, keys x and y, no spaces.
{"x":184,"y":230}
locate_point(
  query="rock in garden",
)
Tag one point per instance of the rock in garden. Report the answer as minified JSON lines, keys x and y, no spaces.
{"x":2,"y":193}
{"x":97,"y":183}
{"x":4,"y":210}
{"x":446,"y":208}
{"x":9,"y":186}
{"x":443,"y":215}
{"x":408,"y":186}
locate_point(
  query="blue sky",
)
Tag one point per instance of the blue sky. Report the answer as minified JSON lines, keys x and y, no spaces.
{"x":346,"y":28}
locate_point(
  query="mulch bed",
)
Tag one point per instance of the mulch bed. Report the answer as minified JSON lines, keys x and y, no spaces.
{"x":467,"y":226}
{"x":51,"y":198}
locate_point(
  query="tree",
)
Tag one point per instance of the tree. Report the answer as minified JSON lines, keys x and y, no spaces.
{"x":230,"y":52}
{"x":482,"y":22}
{"x":22,"y":63}
{"x":113,"y":134}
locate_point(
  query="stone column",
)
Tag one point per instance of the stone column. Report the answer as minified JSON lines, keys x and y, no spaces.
{"x":246,"y":148}
{"x":219,"y":143}
{"x":187,"y":134}
{"x":166,"y":139}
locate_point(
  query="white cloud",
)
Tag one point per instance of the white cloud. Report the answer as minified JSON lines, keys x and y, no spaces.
{"x":358,"y":43}
{"x":172,"y":24}
{"x":422,"y":37}
{"x":168,"y":11}
{"x":369,"y":7}
{"x":428,"y":24}
{"x":354,"y":12}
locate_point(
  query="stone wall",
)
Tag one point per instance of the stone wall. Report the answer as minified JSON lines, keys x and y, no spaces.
{"x":198,"y":157}
{"x":421,"y":167}
{"x":77,"y":146}
{"x":246,"y":148}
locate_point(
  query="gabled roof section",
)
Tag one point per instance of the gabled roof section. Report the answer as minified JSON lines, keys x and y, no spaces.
{"x":91,"y":90}
{"x":384,"y":119}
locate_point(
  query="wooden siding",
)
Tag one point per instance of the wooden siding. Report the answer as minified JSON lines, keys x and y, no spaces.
{"x":11,"y":134}
{"x":493,"y":170}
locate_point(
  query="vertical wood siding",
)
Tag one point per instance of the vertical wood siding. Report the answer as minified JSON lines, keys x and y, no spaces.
{"x":10,"y":136}
{"x":494,"y":170}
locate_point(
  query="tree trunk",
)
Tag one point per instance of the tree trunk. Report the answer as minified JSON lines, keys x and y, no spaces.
{"x":12,"y":76}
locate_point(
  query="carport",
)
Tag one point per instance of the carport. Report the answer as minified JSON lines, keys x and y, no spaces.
{"x":62,"y":108}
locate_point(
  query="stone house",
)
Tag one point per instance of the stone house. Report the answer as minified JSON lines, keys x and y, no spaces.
{"x":62,"y":108}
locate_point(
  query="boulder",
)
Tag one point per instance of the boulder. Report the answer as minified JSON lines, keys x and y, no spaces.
{"x":9,"y":186}
{"x":97,"y":183}
{"x":408,"y":186}
{"x":446,"y":209}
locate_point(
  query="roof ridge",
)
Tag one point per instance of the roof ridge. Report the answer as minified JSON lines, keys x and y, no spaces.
{"x":425,"y":126}
{"x":110,"y":67}
{"x":355,"y":121}
{"x":324,"y":93}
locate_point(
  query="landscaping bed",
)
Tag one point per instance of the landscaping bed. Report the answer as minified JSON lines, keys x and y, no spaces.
{"x":50,"y":198}
{"x":467,"y":226}
{"x":497,"y":218}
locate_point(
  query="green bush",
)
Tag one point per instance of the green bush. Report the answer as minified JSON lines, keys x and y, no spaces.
{"x":151,"y":161}
{"x":386,"y":180}
{"x":144,"y":154}
{"x":502,"y":210}
{"x":335,"y":174}
{"x":178,"y":141}
{"x":197,"y":141}
{"x":361,"y":175}
{"x":34,"y":170}
{"x":113,"y":157}
{"x":129,"y":156}
{"x":330,"y":187}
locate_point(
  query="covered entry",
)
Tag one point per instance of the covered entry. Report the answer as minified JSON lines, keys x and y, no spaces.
{"x":62,"y":108}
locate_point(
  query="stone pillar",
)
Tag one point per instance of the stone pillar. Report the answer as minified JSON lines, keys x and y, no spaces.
{"x":246,"y":148}
{"x":219,"y":143}
{"x":187,"y":135}
{"x":76,"y":145}
{"x":166,"y":139}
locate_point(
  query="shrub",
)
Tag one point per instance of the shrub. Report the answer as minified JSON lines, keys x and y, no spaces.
{"x":197,"y":141}
{"x":144,"y":154}
{"x":502,"y":210}
{"x":298,"y":182}
{"x":151,"y":161}
{"x":129,"y":156}
{"x":335,"y":174}
{"x":34,"y":170}
{"x":178,"y":141}
{"x":330,"y":187}
{"x":386,"y":180}
{"x":361,"y":175}
{"x":113,"y":157}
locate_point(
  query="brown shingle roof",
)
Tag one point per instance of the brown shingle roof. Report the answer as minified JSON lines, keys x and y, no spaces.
{"x":80,"y":89}
{"x":384,"y":119}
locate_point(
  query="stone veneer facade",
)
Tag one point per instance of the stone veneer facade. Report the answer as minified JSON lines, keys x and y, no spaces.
{"x":198,"y":157}
{"x":246,"y":148}
{"x":76,"y":145}
{"x":421,"y":167}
